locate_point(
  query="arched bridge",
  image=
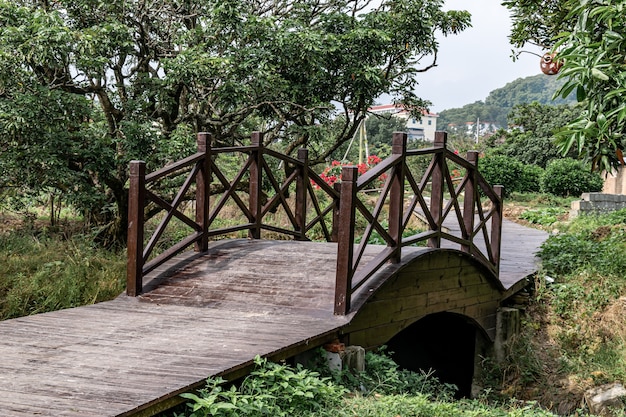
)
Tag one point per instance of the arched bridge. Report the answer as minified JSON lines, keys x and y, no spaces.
{"x":283,"y":263}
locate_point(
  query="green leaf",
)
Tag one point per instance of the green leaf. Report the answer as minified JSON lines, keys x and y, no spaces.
{"x":580,"y":93}
{"x":599,"y":74}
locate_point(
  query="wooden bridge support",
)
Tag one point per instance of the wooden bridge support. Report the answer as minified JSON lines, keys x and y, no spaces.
{"x":396,"y":196}
{"x":203,"y":191}
{"x":134,"y":248}
{"x":302,"y":184}
{"x":256,"y":182}
{"x":436,"y":196}
{"x":469,"y":201}
{"x":345,"y":249}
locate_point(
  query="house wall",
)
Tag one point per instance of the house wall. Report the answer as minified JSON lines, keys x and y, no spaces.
{"x":614,"y":182}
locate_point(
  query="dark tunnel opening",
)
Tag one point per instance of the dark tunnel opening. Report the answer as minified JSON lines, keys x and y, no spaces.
{"x":444,"y":343}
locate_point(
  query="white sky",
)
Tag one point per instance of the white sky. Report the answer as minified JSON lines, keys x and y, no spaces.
{"x":478,"y":60}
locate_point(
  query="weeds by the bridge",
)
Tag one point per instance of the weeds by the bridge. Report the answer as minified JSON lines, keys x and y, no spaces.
{"x":43,"y":271}
{"x":382,"y":390}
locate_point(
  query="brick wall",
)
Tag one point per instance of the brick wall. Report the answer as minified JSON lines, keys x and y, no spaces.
{"x":597,"y":203}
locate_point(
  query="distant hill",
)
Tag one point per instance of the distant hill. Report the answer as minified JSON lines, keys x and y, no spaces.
{"x":499,"y":102}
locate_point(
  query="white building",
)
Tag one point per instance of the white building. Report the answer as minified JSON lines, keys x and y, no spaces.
{"x":422,"y":129}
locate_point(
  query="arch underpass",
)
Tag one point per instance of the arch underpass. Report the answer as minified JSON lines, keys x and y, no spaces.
{"x":436,"y":312}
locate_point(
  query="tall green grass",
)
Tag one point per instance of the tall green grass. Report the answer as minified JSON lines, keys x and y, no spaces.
{"x":574,"y":330}
{"x":40,"y":273}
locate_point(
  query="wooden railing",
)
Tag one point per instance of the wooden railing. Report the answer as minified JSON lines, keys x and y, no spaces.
{"x":200,"y":169}
{"x":436,"y":196}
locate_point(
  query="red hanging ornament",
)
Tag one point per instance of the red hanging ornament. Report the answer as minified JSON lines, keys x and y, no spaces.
{"x":549,"y":64}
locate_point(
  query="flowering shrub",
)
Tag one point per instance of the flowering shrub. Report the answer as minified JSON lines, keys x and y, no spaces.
{"x":332,"y":173}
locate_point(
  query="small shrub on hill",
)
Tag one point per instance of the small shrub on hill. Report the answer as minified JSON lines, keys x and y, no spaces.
{"x":570,"y":177}
{"x":272,"y":389}
{"x":511,"y":173}
{"x":502,"y":170}
{"x":530,"y":181}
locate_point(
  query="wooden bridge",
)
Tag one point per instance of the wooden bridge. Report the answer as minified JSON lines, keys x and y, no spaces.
{"x":188,"y":315}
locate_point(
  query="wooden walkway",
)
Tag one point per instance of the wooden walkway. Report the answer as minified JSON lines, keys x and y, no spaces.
{"x":133,"y":356}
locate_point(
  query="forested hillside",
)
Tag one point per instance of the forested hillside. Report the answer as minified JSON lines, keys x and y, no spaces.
{"x":539,"y":88}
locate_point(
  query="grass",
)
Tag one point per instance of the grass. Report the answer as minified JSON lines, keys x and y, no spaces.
{"x":46,"y":271}
{"x":574,"y":333}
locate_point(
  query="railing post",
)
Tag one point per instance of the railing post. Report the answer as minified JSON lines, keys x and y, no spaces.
{"x":256,"y":170}
{"x":203,"y":183}
{"x":136,"y":203}
{"x":436,"y":197}
{"x":469,"y":200}
{"x":334,"y":234}
{"x":345,"y":246}
{"x":396,"y":195}
{"x":496,"y":227}
{"x":301,"y":193}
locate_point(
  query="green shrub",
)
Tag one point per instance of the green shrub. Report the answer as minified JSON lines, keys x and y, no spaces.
{"x":279,"y":390}
{"x":502,"y":170}
{"x":543,"y":216}
{"x":270,"y":390}
{"x":565,"y":177}
{"x":382,"y":376}
{"x":530,"y":181}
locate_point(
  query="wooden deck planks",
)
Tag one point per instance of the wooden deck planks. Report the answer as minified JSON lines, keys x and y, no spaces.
{"x":518,"y":251}
{"x":121,"y":355}
{"x":206,"y":315}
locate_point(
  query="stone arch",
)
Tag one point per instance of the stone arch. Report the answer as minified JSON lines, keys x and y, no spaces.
{"x":428,"y":282}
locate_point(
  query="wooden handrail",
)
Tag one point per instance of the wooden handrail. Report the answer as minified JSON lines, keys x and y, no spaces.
{"x":441,"y":207}
{"x":200,"y":168}
{"x":138,"y":196}
{"x":435,"y":194}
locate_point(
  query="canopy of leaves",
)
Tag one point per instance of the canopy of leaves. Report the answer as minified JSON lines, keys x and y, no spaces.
{"x":97,"y":83}
{"x":589,"y":38}
{"x":538,"y":23}
{"x":594,"y":53}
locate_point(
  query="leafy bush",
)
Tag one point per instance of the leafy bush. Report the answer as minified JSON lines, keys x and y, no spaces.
{"x":270,"y":390}
{"x":530,"y":181}
{"x":382,"y":376}
{"x":279,"y":390}
{"x":502,"y":170}
{"x":565,"y":177}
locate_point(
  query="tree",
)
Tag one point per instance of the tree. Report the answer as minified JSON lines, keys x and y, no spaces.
{"x":538,"y":23}
{"x":135,"y":79}
{"x":589,"y":39}
{"x":531,"y":140}
{"x":594,"y":53}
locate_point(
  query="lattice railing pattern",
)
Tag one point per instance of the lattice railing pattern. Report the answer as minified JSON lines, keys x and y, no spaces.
{"x":268,"y":194}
